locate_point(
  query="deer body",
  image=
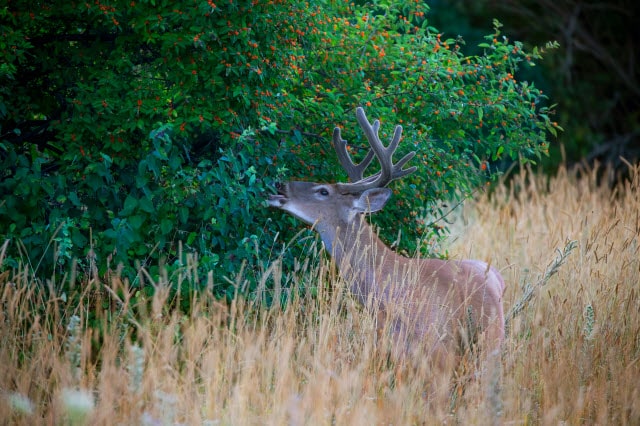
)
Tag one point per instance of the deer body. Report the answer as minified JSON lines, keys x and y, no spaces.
{"x":427,"y":305}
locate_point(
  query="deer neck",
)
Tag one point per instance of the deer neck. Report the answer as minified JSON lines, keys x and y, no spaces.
{"x":364,"y":261}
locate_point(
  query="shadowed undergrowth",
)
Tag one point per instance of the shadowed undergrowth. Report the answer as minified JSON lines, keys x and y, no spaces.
{"x":572,"y":353}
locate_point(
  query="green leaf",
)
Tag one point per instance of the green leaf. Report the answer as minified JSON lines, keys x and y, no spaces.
{"x":191,"y":238}
{"x":183,"y":213}
{"x":73,"y":197}
{"x":146,"y":205}
{"x":136,"y":222}
{"x":166,"y":226}
{"x":130,"y":203}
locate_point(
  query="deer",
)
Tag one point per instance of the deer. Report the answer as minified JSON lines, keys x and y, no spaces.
{"x":430,"y":307}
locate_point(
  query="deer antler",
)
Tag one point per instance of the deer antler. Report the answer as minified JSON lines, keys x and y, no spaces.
{"x":388,"y":171}
{"x":354,"y":171}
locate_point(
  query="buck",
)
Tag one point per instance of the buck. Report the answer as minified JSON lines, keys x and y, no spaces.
{"x":427,"y":306}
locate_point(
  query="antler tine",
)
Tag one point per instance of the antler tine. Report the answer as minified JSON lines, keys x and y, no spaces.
{"x":388,"y":170}
{"x":354,"y":171}
{"x":398,"y":172}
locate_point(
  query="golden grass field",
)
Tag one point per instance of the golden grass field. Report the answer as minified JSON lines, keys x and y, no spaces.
{"x":571,"y":356}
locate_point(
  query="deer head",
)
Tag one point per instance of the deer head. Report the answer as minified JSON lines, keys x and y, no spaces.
{"x":331,"y":207}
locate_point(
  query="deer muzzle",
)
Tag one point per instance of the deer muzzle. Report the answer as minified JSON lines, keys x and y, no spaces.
{"x":279,"y":199}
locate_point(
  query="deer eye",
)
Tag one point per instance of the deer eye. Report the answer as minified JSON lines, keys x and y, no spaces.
{"x":323,"y":192}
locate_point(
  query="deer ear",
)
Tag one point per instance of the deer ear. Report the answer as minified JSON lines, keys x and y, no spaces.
{"x":372,"y":200}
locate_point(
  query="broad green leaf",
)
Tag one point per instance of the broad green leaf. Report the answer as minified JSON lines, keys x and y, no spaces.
{"x":130,"y":203}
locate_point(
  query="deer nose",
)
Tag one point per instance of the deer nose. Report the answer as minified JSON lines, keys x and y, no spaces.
{"x":281,"y":187}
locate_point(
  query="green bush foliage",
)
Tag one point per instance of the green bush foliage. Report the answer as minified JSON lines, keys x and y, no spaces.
{"x":135,"y":132}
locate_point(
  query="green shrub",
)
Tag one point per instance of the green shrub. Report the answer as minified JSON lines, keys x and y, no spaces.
{"x":133,"y":133}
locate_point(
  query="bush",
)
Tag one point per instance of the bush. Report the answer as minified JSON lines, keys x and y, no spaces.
{"x":134,"y":133}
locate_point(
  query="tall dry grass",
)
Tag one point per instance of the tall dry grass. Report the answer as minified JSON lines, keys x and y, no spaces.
{"x":572,"y":355}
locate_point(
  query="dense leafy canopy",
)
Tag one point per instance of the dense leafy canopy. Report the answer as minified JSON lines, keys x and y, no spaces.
{"x":133,"y":132}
